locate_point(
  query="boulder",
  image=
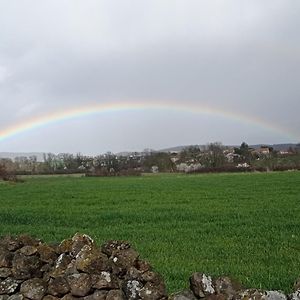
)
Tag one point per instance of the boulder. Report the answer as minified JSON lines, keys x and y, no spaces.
{"x":97,"y":295}
{"x":8,"y":286}
{"x":58,"y":286}
{"x":80,"y":284}
{"x":202,"y":285}
{"x":28,"y":250}
{"x":34,"y":289}
{"x":79,"y":241}
{"x":90,"y":260}
{"x":105,"y":280}
{"x":5,"y":272}
{"x":115,"y":295}
{"x":25,"y":267}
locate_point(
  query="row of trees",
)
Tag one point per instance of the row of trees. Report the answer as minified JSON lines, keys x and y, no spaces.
{"x":213,"y":156}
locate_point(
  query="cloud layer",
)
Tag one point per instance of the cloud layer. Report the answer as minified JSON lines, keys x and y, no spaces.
{"x":241,"y":56}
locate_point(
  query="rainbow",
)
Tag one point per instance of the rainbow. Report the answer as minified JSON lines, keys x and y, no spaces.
{"x":104,"y":108}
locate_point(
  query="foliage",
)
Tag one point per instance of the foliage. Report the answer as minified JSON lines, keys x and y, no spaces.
{"x":243,"y":225}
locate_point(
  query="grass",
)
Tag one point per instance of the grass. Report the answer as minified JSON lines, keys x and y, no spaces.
{"x":243,"y":225}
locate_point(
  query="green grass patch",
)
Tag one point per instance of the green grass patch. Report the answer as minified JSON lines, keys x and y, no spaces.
{"x":243,"y":225}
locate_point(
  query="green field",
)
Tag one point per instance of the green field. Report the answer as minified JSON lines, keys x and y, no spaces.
{"x":243,"y":225}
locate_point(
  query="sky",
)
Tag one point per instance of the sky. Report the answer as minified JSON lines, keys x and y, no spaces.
{"x":175,"y":72}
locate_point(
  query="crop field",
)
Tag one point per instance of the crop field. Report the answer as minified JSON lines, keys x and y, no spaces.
{"x":243,"y":225}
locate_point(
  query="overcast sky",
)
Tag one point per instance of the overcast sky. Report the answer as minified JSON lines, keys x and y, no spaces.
{"x":242,"y":56}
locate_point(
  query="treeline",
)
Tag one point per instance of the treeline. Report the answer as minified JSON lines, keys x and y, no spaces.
{"x":213,"y":157}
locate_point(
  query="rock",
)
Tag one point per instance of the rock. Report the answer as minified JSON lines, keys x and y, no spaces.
{"x":184,"y":295}
{"x":143,"y":266}
{"x":16,"y":297}
{"x":60,"y":265}
{"x":65,"y":246}
{"x":295,"y":295}
{"x":5,"y":272}
{"x":115,"y":295}
{"x":201,"y":285}
{"x":250,"y":293}
{"x":97,"y":295}
{"x":297,"y":285}
{"x":132,"y":288}
{"x":58,"y":287}
{"x":111,"y":246}
{"x":152,"y":277}
{"x":90,"y":260}
{"x":153,"y":292}
{"x":10,"y":243}
{"x":5,"y":258}
{"x":70,"y":297}
{"x":8,"y":286}
{"x":71,"y":268}
{"x":79,"y":241}
{"x":34,"y":288}
{"x":25,"y":267}
{"x":4,"y":297}
{"x":80,"y":284}
{"x":28,"y":250}
{"x":27,"y":240}
{"x":275,"y":295}
{"x":105,"y":280}
{"x":50,"y":297}
{"x":125,"y":258}
{"x":227,"y":287}
{"x":47,"y":253}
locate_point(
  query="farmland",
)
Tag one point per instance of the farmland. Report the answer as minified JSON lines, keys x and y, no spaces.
{"x":243,"y":225}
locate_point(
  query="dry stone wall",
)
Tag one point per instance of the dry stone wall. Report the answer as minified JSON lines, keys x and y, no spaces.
{"x":77,"y":269}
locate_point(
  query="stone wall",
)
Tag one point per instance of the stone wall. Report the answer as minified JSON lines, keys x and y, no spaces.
{"x":77,"y":269}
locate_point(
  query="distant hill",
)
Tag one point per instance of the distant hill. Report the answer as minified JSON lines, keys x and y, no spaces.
{"x":13,"y":155}
{"x":40,"y":158}
{"x":277,"y":147}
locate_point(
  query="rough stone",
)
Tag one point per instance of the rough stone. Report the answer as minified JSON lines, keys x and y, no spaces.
{"x":111,"y":246}
{"x":47,"y":253}
{"x":79,"y":241}
{"x":58,"y":286}
{"x":9,"y":286}
{"x":28,"y":250}
{"x":105,"y":280}
{"x":10,"y":243}
{"x":27,"y":240}
{"x":201,"y":285}
{"x":5,"y":272}
{"x":275,"y":295}
{"x":184,"y":295}
{"x":97,"y":295}
{"x":34,"y":288}
{"x":295,"y":295}
{"x":65,"y":246}
{"x":132,"y":288}
{"x":70,"y":297}
{"x":60,"y":265}
{"x":5,"y":258}
{"x":227,"y":286}
{"x":80,"y":284}
{"x":4,"y":297}
{"x":16,"y":297}
{"x":143,"y":266}
{"x":90,"y":260}
{"x":50,"y":297}
{"x":151,"y":291}
{"x":297,"y":285}
{"x":25,"y":267}
{"x":115,"y":295}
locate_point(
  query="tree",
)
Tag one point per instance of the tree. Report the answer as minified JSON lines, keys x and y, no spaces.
{"x":214,"y":156}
